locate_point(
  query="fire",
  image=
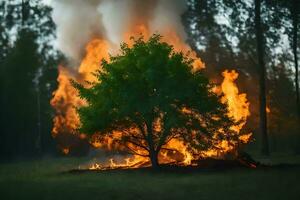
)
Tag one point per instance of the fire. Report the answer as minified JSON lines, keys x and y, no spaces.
{"x":180,"y":147}
{"x":238,"y":109}
{"x":96,"y":50}
{"x":65,"y":100}
{"x":268,"y":110}
{"x":65,"y":151}
{"x":128,"y":162}
{"x":238,"y":104}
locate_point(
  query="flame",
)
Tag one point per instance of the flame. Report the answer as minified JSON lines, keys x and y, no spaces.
{"x":66,"y":151}
{"x":65,"y":100}
{"x":96,"y":50}
{"x":182,"y":148}
{"x":238,"y":104}
{"x":268,"y":110}
{"x":132,"y":162}
{"x":238,"y":109}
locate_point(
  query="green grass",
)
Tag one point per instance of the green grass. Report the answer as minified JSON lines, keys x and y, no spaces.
{"x":45,"y":179}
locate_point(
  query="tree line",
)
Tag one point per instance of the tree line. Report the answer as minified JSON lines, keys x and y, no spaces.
{"x":259,"y":38}
{"x":28,"y":71}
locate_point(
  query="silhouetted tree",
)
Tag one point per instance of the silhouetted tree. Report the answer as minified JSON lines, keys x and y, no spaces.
{"x":282,"y":117}
{"x":295,"y":14}
{"x":262,"y":78}
{"x":28,"y":76}
{"x":19,"y":96}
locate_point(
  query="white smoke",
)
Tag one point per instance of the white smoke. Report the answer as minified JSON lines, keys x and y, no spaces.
{"x":168,"y":14}
{"x":116,"y":17}
{"x":79,"y":20}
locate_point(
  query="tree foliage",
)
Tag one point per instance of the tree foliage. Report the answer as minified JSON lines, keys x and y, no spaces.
{"x":150,"y":94}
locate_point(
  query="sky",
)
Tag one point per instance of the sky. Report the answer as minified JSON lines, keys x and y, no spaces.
{"x":48,"y":2}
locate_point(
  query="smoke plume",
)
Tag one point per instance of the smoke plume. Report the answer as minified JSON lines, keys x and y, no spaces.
{"x":80,"y":20}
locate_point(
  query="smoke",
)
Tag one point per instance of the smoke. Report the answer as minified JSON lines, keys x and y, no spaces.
{"x":80,"y":20}
{"x":77,"y":21}
{"x":167,"y":15}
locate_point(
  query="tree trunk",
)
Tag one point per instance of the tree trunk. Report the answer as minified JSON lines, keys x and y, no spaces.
{"x":23,"y":13}
{"x":153,"y":153}
{"x":294,"y":12}
{"x":262,"y":80}
{"x":154,"y":159}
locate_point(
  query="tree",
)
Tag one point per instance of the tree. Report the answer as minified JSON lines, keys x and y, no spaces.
{"x":28,"y":71}
{"x":295,"y":13}
{"x":3,"y":34}
{"x":282,"y":118}
{"x":288,"y":13}
{"x":262,"y":78}
{"x":19,"y":98}
{"x":150,"y":94}
{"x":207,"y":37}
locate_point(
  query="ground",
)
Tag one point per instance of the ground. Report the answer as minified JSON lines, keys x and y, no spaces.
{"x":46,"y":179}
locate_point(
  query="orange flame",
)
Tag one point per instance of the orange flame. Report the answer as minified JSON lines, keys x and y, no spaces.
{"x":238,"y":104}
{"x":268,"y":110}
{"x":238,"y":109}
{"x":65,"y":151}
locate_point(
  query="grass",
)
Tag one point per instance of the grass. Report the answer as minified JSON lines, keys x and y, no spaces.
{"x":44,"y":179}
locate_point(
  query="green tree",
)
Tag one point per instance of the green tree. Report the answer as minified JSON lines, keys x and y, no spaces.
{"x":147,"y":85}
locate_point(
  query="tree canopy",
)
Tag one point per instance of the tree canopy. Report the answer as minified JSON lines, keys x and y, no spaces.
{"x":150,"y":94}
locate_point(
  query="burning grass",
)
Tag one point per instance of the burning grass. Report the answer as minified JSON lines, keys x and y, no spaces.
{"x":244,"y":160}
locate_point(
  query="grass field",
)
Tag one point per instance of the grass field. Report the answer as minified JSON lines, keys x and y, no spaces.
{"x":45,"y":179}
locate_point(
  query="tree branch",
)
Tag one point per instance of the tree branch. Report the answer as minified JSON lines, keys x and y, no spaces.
{"x":139,"y":145}
{"x":136,"y":153}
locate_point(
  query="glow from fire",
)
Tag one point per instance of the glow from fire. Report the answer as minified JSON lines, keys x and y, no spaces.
{"x":65,"y":100}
